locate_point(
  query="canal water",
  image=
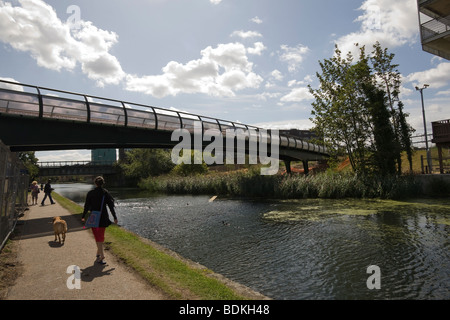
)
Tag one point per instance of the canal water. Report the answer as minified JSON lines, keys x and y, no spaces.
{"x":300,"y":249}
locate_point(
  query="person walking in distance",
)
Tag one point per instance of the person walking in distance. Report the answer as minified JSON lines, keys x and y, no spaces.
{"x":48,"y":192}
{"x":34,"y":192}
{"x":94,"y":200}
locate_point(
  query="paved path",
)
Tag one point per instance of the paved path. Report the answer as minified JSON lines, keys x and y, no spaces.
{"x":45,"y":262}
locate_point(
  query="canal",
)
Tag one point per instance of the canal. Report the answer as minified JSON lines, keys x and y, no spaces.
{"x":300,"y":249}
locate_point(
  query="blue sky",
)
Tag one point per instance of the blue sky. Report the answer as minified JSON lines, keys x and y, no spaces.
{"x":239,"y":60}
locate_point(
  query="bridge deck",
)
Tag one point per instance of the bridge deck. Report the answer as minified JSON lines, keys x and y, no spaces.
{"x":67,"y":120}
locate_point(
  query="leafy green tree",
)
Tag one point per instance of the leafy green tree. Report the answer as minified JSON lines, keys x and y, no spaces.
{"x":339,"y":109}
{"x":143,"y":163}
{"x":388,"y":78}
{"x":30,"y":162}
{"x":197,"y":165}
{"x":381,"y":150}
{"x":355,"y":110}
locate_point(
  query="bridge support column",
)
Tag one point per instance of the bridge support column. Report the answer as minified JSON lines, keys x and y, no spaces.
{"x":287,"y":163}
{"x":305,"y":166}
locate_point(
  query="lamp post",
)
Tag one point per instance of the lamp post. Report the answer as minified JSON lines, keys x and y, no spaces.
{"x":425,"y":127}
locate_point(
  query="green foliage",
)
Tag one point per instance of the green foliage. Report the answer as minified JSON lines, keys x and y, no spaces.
{"x":354,"y":111}
{"x":382,"y":157}
{"x":30,"y":162}
{"x":197,"y":165}
{"x":144,"y":163}
{"x":331,"y":185}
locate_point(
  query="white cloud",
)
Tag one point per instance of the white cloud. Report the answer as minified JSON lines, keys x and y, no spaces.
{"x":297,"y":95}
{"x":443,"y":93}
{"x":258,"y":49}
{"x":301,"y":124}
{"x":437,"y":77}
{"x":256,"y":20}
{"x":246,"y":34}
{"x":277,"y":75}
{"x":293,"y":55}
{"x":202,"y":75}
{"x":35,"y":28}
{"x":10,"y":85}
{"x":392,"y":23}
{"x":215,"y":1}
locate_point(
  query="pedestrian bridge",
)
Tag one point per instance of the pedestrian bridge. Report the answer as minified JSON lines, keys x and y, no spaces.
{"x":74,"y":168}
{"x":34,"y":118}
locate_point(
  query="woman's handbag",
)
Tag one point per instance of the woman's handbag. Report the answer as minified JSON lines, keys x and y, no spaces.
{"x":94,"y":218}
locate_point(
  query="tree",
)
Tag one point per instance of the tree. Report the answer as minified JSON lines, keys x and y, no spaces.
{"x":143,"y":163}
{"x":381,"y":150}
{"x":30,"y":162}
{"x":339,"y":110}
{"x":388,"y":78}
{"x":354,"y":110}
{"x":197,"y":164}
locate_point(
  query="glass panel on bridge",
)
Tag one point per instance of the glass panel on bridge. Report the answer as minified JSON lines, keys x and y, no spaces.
{"x":21,"y":103}
{"x":210,"y":124}
{"x":189,"y":121}
{"x":167,"y":120}
{"x":226,"y":125}
{"x":102,"y":113}
{"x":140,"y":118}
{"x":60,"y":108}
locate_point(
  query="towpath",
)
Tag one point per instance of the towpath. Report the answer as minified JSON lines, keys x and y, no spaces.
{"x":44,"y":263}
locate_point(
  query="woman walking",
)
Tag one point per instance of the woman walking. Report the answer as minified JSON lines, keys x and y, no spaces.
{"x":97,"y":200}
{"x":34,"y":192}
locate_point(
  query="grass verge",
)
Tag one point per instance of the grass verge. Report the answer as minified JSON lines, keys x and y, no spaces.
{"x":178,"y":278}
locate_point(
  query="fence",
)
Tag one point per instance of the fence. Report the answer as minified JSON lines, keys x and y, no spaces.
{"x":13,"y":191}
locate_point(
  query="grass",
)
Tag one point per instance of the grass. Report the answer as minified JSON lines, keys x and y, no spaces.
{"x":176,"y":277}
{"x":250,"y":183}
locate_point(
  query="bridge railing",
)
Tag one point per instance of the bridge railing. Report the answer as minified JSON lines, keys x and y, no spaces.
{"x":27,"y":100}
{"x":59,"y":164}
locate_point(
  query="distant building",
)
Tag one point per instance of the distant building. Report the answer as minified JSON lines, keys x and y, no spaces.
{"x":105,"y":156}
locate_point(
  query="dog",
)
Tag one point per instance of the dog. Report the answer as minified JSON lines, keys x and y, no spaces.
{"x":60,"y":229}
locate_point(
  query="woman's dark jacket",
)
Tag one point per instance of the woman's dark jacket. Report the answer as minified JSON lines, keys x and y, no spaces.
{"x":94,"y":201}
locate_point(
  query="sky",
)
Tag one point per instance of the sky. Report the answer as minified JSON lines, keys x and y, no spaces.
{"x":238,"y":60}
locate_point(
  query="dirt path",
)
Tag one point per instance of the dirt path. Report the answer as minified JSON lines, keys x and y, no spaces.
{"x":44,"y":263}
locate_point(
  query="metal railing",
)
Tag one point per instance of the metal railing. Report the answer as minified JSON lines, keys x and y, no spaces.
{"x":13,"y":191}
{"x":17,"y":99}
{"x":59,"y":164}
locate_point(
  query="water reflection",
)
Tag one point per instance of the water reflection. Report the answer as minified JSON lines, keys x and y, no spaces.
{"x":303,"y":249}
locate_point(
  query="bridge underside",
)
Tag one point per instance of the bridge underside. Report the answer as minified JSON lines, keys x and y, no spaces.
{"x":49,"y":134}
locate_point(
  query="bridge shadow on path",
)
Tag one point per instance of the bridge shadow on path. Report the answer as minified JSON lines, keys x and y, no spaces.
{"x":43,"y":227}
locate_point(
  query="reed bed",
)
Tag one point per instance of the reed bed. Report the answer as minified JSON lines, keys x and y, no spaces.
{"x":321,"y":185}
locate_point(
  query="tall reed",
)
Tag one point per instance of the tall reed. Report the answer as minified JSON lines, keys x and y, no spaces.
{"x":252,"y":184}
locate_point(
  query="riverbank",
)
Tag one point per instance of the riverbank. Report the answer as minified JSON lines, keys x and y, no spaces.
{"x":39,"y":268}
{"x":176,"y":277}
{"x":326,"y":185}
